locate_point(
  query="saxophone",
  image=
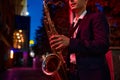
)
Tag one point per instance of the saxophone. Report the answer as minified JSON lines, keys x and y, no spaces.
{"x":53,"y":64}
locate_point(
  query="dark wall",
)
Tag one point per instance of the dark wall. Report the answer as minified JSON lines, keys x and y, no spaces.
{"x":6,"y":30}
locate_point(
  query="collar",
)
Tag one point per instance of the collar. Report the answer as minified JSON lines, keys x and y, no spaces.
{"x":81,"y":16}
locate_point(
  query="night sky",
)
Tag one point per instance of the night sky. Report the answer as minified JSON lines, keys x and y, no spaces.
{"x":35,"y":12}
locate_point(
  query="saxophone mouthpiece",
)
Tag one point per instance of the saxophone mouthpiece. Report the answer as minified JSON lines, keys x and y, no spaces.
{"x":43,"y":2}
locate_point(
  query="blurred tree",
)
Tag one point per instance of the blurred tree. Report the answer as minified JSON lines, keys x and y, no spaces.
{"x":42,"y":44}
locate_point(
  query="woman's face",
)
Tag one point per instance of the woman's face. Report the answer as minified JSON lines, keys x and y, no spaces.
{"x":77,"y":5}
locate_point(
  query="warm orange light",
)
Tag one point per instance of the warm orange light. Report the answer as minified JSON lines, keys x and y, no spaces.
{"x":11,"y":54}
{"x":17,"y":34}
{"x":19,"y":47}
{"x":20,"y":31}
{"x":18,"y":39}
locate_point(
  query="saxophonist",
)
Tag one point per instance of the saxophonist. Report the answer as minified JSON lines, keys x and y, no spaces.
{"x":87,"y":45}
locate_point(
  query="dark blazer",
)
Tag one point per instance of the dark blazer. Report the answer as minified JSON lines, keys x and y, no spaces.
{"x":90,"y":45}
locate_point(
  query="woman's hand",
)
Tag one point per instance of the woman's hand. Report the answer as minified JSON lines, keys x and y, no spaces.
{"x":59,"y":42}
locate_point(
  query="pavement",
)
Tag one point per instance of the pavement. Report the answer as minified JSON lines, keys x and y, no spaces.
{"x":24,"y":73}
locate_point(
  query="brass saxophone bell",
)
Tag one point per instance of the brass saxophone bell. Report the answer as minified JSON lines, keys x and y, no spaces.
{"x":51,"y":64}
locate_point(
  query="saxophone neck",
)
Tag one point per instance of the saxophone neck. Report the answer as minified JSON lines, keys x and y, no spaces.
{"x":50,"y":27}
